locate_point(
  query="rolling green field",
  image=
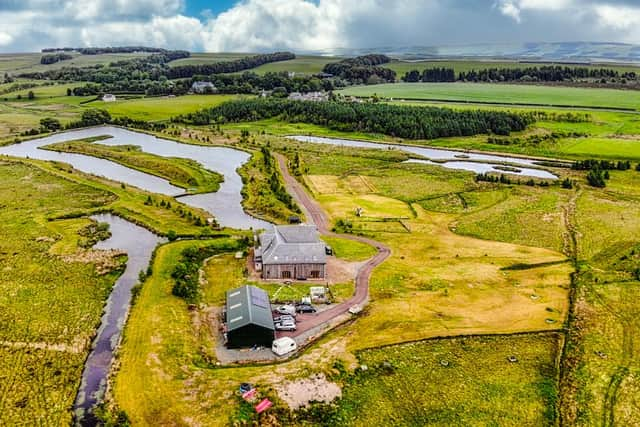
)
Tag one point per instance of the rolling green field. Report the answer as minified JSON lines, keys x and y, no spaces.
{"x":503,"y":94}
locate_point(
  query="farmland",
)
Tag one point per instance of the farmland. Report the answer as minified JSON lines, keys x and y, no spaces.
{"x":503,"y":94}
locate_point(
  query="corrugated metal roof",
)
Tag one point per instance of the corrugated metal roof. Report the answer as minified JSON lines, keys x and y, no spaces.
{"x":292,"y":244}
{"x":248,"y":305}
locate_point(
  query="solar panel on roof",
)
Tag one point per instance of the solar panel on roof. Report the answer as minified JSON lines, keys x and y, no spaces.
{"x":258,"y":298}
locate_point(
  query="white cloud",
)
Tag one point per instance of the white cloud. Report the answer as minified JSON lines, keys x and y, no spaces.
{"x":258,"y":25}
{"x":511,"y":10}
{"x":623,"y":18}
{"x":5,"y":38}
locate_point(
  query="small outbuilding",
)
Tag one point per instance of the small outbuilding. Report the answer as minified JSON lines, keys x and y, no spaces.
{"x":248,"y":318}
{"x":108,"y":97}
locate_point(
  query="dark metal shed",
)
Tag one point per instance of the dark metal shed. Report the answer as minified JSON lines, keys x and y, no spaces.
{"x":249,"y":318}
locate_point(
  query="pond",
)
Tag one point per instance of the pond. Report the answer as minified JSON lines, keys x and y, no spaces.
{"x":474,"y":162}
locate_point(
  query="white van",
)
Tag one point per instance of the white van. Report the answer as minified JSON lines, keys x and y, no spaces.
{"x":283,"y":345}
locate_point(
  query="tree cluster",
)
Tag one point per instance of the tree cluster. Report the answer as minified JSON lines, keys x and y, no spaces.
{"x":603,"y":165}
{"x":185,"y":273}
{"x":430,"y":75}
{"x":186,"y":71}
{"x":399,"y":121}
{"x":55,"y":57}
{"x":534,"y":139}
{"x":597,"y":177}
{"x":504,"y":179}
{"x":362,"y":69}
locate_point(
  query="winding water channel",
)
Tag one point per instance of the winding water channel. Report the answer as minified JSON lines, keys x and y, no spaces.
{"x":225,"y":205}
{"x":474,"y":162}
{"x":139,"y":244}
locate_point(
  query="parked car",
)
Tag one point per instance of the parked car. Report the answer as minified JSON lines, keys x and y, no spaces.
{"x":305,"y":308}
{"x":284,"y":318}
{"x":286,"y":309}
{"x":285,"y":326}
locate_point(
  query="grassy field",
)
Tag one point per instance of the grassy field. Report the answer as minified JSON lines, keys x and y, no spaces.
{"x":160,"y":108}
{"x":300,"y":65}
{"x":503,"y":94}
{"x":408,"y":384}
{"x":600,"y":382}
{"x":51,"y":298}
{"x":185,"y":173}
{"x":17,"y":63}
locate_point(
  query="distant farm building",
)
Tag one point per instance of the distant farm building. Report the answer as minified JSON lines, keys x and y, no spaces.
{"x":249,"y":321}
{"x":203,"y":87}
{"x":291,"y":252}
{"x":108,"y":97}
{"x":311,"y":96}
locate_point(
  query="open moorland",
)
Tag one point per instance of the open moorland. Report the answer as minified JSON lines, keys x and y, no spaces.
{"x":505,"y":300}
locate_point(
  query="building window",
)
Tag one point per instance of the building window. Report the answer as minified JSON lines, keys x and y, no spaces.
{"x":286,"y":275}
{"x":315,"y":274}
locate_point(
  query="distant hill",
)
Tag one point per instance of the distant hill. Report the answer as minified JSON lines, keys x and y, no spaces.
{"x":578,"y":52}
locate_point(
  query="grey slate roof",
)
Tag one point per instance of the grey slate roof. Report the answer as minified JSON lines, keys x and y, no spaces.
{"x":248,"y":305}
{"x":292,"y":244}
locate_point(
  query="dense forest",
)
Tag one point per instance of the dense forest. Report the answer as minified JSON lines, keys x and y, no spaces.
{"x":400,"y":121}
{"x":53,"y":58}
{"x":234,"y":66}
{"x":362,"y":69}
{"x":549,"y":73}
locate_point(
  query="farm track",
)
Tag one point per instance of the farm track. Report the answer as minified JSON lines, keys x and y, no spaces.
{"x":314,"y":214}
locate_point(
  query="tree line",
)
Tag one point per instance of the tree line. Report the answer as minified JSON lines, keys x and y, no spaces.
{"x":550,"y":73}
{"x":53,"y":58}
{"x":234,"y":66}
{"x":399,"y":121}
{"x":103,"y":50}
{"x":149,"y":67}
{"x":362,"y":69}
{"x":246,"y":83}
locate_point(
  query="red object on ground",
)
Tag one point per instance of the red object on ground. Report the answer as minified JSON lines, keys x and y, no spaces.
{"x":264,"y":405}
{"x":248,"y":395}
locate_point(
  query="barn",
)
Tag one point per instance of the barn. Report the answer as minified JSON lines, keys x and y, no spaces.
{"x":293,"y":252}
{"x":249,"y":320}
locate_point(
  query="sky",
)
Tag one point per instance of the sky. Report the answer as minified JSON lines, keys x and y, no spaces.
{"x":310,"y":25}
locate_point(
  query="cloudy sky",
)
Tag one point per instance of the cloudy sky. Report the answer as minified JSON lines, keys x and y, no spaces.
{"x":258,"y":25}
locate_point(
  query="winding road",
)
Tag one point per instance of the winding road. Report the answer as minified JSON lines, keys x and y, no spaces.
{"x":315,"y":215}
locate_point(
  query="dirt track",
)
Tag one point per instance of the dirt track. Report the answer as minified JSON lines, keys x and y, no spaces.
{"x":317,"y":216}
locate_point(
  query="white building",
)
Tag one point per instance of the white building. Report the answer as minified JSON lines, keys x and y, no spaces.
{"x":108,"y":97}
{"x":203,"y":87}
